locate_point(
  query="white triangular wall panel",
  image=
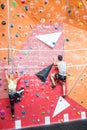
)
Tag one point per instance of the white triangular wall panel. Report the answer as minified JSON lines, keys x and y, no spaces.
{"x":49,"y":39}
{"x":62,"y":104}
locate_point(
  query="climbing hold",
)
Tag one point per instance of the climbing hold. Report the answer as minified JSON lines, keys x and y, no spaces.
{"x":48,"y":111}
{"x":22,"y":15}
{"x":18,"y":15}
{"x":26,"y":52}
{"x":21,"y":72}
{"x":81,"y":24}
{"x":2,"y":112}
{"x":20,"y":27}
{"x":10,"y":59}
{"x":2,"y":6}
{"x":52,"y":106}
{"x":40,"y":10}
{"x":67,"y":40}
{"x":33,"y":120}
{"x":79,"y":4}
{"x":26,"y":34}
{"x":7,"y":106}
{"x":11,"y":25}
{"x":27,"y":84}
{"x":22,"y":106}
{"x":26,"y":8}
{"x":32,"y":100}
{"x":14,"y":3}
{"x":42,"y":20}
{"x":53,"y":43}
{"x":23,"y":112}
{"x":45,"y":2}
{"x":82,"y":102}
{"x":47,"y":97}
{"x":3,"y":22}
{"x":38,"y":120}
{"x":37,"y":95}
{"x":4,"y":58}
{"x":3,"y":34}
{"x":23,"y":1}
{"x":42,"y":75}
{"x":5,"y":89}
{"x":16,"y":35}
{"x":50,"y":20}
{"x":81,"y":78}
{"x":56,"y":28}
{"x":46,"y":83}
{"x":78,"y":113}
{"x":26,"y":80}
{"x":56,"y":96}
{"x":33,"y":115}
{"x":43,"y":112}
{"x":42,"y":88}
{"x":42,"y":82}
{"x":74,"y":108}
{"x":2,"y":117}
{"x":69,"y":11}
{"x":30,"y":48}
{"x":60,"y":100}
{"x":23,"y":116}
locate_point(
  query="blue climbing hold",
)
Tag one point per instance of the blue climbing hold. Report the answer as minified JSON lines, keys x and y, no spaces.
{"x":21,"y":72}
{"x":26,"y":80}
{"x":56,"y":28}
{"x":23,"y":112}
{"x":11,"y":25}
{"x":10,"y":59}
{"x":69,"y":11}
{"x":67,"y":40}
{"x":16,"y":35}
{"x":37,"y":95}
{"x":53,"y":43}
{"x":26,"y":8}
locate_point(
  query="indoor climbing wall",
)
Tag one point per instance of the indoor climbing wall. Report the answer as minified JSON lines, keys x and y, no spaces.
{"x":33,"y":33}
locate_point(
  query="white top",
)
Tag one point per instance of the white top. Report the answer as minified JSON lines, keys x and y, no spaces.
{"x":12,"y":85}
{"x":62,"y":68}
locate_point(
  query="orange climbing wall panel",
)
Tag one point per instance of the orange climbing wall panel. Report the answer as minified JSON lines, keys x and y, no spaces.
{"x":23,"y":21}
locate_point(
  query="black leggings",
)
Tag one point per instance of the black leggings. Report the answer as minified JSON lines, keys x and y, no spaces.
{"x":13,"y":98}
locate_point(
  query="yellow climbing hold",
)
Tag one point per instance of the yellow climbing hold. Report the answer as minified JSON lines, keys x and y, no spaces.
{"x":79,"y":4}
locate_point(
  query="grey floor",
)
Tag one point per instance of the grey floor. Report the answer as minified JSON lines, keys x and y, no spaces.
{"x":73,"y":125}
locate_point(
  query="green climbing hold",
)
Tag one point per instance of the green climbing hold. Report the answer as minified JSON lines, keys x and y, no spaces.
{"x":81,"y":78}
{"x":26,"y":52}
{"x":23,"y":116}
{"x":43,"y":113}
{"x":14,"y":3}
{"x":42,"y":82}
{"x":18,"y":15}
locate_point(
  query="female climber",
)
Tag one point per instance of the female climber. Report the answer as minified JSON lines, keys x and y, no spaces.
{"x":14,"y":94}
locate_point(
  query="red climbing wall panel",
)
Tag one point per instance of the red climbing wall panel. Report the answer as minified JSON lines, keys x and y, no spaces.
{"x":18,"y":45}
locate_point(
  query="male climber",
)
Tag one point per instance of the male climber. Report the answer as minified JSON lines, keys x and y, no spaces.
{"x":61,"y":75}
{"x":14,"y":95}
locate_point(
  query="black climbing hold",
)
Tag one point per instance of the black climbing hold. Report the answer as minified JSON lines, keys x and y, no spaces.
{"x":2,"y":6}
{"x":3,"y":34}
{"x":3,"y":22}
{"x":4,"y":58}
